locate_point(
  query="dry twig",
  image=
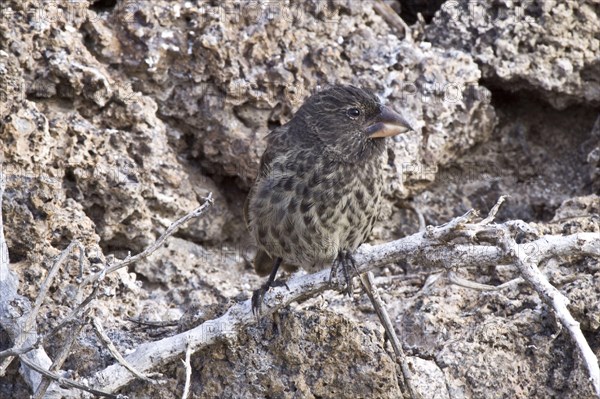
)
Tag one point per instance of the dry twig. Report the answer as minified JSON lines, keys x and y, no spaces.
{"x":108,"y":344}
{"x":429,"y":248}
{"x":28,"y":326}
{"x":368,"y":283}
{"x":14,"y":309}
{"x":22,"y":329}
{"x":14,"y":351}
{"x":129,"y":260}
{"x":528,"y":266}
{"x":188,"y":372}
{"x":463,"y":282}
{"x":61,"y":356}
{"x":65,"y":381}
{"x":391,"y":17}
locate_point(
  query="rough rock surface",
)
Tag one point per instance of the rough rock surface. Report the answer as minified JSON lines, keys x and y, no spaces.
{"x":550,"y":47}
{"x":234,"y":72}
{"x":116,"y":119}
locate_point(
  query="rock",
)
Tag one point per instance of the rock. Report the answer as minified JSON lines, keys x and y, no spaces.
{"x":429,"y":379}
{"x":519,"y":160}
{"x":315,"y":354}
{"x":225,"y":104}
{"x":548,"y":47}
{"x":117,"y":119}
{"x":101,"y":143}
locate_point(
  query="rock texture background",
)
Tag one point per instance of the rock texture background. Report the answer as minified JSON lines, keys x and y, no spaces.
{"x":118,"y":117}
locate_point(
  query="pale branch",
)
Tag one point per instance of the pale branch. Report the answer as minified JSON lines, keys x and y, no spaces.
{"x":510,"y":284}
{"x":420,"y":217}
{"x":451,"y":229}
{"x":368,"y":283}
{"x":65,"y":381}
{"x":188,"y":373}
{"x":494,"y":211}
{"x":528,"y":266}
{"x":392,"y":18}
{"x":462,"y":282}
{"x":50,"y":278}
{"x":154,"y":324}
{"x":453,"y":277}
{"x":17,"y":316}
{"x":108,"y":344}
{"x":14,"y":309}
{"x":29,"y":323}
{"x":428,"y":248}
{"x":14,"y":351}
{"x":62,"y":355}
{"x":95,"y":278}
{"x":129,"y":260}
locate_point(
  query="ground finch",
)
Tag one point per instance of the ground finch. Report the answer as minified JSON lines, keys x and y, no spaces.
{"x":318,"y":191}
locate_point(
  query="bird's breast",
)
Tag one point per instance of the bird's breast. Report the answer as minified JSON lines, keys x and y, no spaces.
{"x":307,"y":208}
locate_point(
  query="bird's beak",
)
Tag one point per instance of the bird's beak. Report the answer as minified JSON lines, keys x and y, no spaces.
{"x":388,"y":123}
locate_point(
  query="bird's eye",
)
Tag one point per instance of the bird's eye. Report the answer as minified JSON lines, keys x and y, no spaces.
{"x":353,"y":113}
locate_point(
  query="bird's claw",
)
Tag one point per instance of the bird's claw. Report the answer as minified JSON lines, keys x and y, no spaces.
{"x":257,"y":299}
{"x":259,"y":295}
{"x":344,"y":261}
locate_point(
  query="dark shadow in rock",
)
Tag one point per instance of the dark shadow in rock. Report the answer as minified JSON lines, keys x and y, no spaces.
{"x":527,"y":158}
{"x":410,"y":8}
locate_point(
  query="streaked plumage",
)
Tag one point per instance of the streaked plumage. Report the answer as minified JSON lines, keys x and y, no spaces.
{"x":320,"y":180}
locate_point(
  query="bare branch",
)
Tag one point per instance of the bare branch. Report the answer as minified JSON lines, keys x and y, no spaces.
{"x":392,"y":18}
{"x":65,"y":381}
{"x":30,"y":321}
{"x":418,"y":247}
{"x":528,"y":266}
{"x":456,"y":279}
{"x":99,"y":330}
{"x":60,"y":357}
{"x":368,"y":283}
{"x":155,"y":324}
{"x":492,"y":215}
{"x":448,"y":230}
{"x":420,"y":217}
{"x":21,"y":329}
{"x":188,"y":372}
{"x":14,"y":351}
{"x":14,"y":309}
{"x":208,"y":201}
{"x":98,"y":276}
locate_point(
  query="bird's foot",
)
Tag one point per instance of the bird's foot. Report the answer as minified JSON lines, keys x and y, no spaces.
{"x":259,"y":294}
{"x":343,"y":262}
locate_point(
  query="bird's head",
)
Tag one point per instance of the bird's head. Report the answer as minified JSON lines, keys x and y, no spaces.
{"x":349,"y":122}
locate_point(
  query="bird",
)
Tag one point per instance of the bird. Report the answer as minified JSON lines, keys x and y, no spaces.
{"x":320,"y":184}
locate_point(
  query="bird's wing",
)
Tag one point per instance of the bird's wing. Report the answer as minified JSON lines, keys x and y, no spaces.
{"x":276,"y":144}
